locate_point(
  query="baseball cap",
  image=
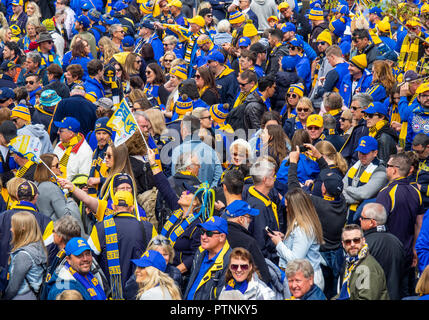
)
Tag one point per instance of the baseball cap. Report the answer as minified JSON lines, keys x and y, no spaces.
{"x":215,"y":224}
{"x":84,"y":20}
{"x":128,"y":41}
{"x":17,"y":2}
{"x":377,"y":107}
{"x":332,"y":181}
{"x":376,"y":10}
{"x":76,"y":246}
{"x":151,"y":258}
{"x":240,"y":208}
{"x":6,"y":93}
{"x":297,"y":43}
{"x":7,"y":65}
{"x":244,"y":42}
{"x":367,"y":144}
{"x":119,"y":5}
{"x":121,"y":178}
{"x":315,"y":120}
{"x":27,"y":189}
{"x":8,"y":130}
{"x":85,"y":5}
{"x":104,"y":102}
{"x":94,"y":15}
{"x":123,"y":199}
{"x":410,"y":75}
{"x":216,"y":55}
{"x":69,"y":123}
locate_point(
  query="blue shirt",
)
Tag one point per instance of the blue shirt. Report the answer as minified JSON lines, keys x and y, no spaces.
{"x":205,"y":266}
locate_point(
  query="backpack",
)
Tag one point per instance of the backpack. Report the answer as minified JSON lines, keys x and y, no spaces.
{"x":235,"y":117}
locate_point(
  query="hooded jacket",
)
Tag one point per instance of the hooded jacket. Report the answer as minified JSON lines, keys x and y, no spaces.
{"x":38,"y":131}
{"x":263,"y":9}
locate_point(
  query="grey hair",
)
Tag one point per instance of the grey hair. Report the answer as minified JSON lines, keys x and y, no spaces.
{"x":223,"y":26}
{"x":297,"y":265}
{"x":171,"y":39}
{"x":141,"y":114}
{"x":377,"y":212}
{"x":364,"y":99}
{"x":67,"y":227}
{"x":329,"y":121}
{"x":261,"y":169}
{"x":184,"y":161}
{"x":34,"y":56}
{"x":113,"y":28}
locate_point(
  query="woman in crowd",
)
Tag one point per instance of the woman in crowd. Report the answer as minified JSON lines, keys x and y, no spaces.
{"x":28,"y":258}
{"x":33,"y":10}
{"x":155,"y":84}
{"x":154,"y":283}
{"x":268,"y":118}
{"x":74,"y":75}
{"x":166,"y":61}
{"x":107,"y":49}
{"x":206,"y":85}
{"x":132,"y":64}
{"x":275,"y":143}
{"x":383,"y":81}
{"x":346,"y":123}
{"x":303,"y":234}
{"x":31,"y":35}
{"x":79,"y":55}
{"x":242,"y":275}
{"x":304,"y":108}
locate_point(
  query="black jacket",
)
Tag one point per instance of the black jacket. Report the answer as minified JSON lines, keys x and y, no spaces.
{"x":238,"y":236}
{"x":387,"y":139}
{"x":274,"y":62}
{"x":349,"y":147}
{"x":142,"y":174}
{"x":315,"y":33}
{"x":284,"y":79}
{"x":60,"y":88}
{"x":253,"y":112}
{"x":389,"y":253}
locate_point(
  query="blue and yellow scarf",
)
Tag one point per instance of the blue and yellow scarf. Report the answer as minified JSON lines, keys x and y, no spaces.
{"x":90,"y":283}
{"x":177,"y":231}
{"x":234,"y":285}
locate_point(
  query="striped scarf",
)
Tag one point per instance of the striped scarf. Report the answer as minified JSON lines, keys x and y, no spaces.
{"x":409,"y":55}
{"x":112,"y":253}
{"x":69,"y":147}
{"x":178,"y":230}
{"x":375,"y":129}
{"x":24,"y":169}
{"x":243,"y":95}
{"x":98,"y":168}
{"x":351,"y":264}
{"x":363,"y":179}
{"x":90,"y":283}
{"x":192,"y":40}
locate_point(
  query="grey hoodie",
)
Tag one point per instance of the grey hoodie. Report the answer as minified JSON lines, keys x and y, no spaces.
{"x":264,"y":9}
{"x":38,"y":131}
{"x":26,"y":262}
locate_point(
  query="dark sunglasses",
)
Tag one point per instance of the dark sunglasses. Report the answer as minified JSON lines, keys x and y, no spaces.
{"x":138,"y":61}
{"x":108,"y":156}
{"x":370,"y":116}
{"x":356,"y":108}
{"x":148,"y":72}
{"x":355,"y":241}
{"x":356,"y":38}
{"x":165,"y":60}
{"x":56,"y":166}
{"x":292,"y":47}
{"x":313,"y":128}
{"x":321,"y":43}
{"x":293,"y":95}
{"x":158,"y":242}
{"x":3,"y":100}
{"x":235,"y":267}
{"x":29,"y":82}
{"x":197,"y":76}
{"x":14,"y":120}
{"x":208,"y":233}
{"x":243,"y":84}
{"x":209,"y":15}
{"x":302,"y":109}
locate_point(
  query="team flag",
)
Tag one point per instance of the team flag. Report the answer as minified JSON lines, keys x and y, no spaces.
{"x":26,"y":146}
{"x":123,"y":123}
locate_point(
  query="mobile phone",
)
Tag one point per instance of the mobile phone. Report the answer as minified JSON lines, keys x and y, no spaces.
{"x":267,"y":228}
{"x":303,"y":149}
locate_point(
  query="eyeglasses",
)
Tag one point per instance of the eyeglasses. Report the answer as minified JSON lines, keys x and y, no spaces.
{"x":167,"y":44}
{"x":165,"y":60}
{"x":302,"y":109}
{"x":349,"y":241}
{"x":108,"y":156}
{"x":424,"y":96}
{"x":29,"y":82}
{"x":243,"y":84}
{"x":138,"y":61}
{"x":122,"y":31}
{"x":370,"y":116}
{"x":159,"y":242}
{"x":414,"y":28}
{"x":49,"y":42}
{"x":202,"y":118}
{"x":419,"y":151}
{"x":355,"y":108}
{"x":313,"y":128}
{"x":14,"y":120}
{"x":321,"y":43}
{"x":3,"y":100}
{"x":364,"y":218}
{"x":235,"y":267}
{"x":344,"y":119}
{"x":292,"y":95}
{"x":209,"y":16}
{"x":292,"y":47}
{"x":208,"y":233}
{"x":197,"y":76}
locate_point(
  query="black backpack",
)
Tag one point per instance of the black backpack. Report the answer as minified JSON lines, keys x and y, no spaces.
{"x":235,"y":117}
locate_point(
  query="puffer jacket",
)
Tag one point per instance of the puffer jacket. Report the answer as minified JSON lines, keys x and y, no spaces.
{"x":257,"y":290}
{"x":284,"y":79}
{"x":253,"y":111}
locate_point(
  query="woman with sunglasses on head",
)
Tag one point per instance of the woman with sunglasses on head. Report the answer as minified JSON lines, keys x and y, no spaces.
{"x":155,"y":80}
{"x":304,"y":109}
{"x":164,"y":247}
{"x":242,"y":275}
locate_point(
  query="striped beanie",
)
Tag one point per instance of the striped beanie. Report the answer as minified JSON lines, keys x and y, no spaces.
{"x":146,"y":8}
{"x":338,"y":26}
{"x":236,"y":17}
{"x":219,"y":112}
{"x":180,"y":72}
{"x":316,"y":14}
{"x":297,"y":88}
{"x":22,"y":112}
{"x":183,"y":105}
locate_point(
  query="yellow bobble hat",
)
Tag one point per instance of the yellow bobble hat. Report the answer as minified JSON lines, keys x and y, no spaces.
{"x":49,"y":24}
{"x":183,"y":105}
{"x":198,"y":20}
{"x":316,"y":14}
{"x":249,"y":30}
{"x":175,"y":3}
{"x":360,"y":61}
{"x":325,"y":36}
{"x":180,"y":72}
{"x":146,"y":8}
{"x":423,"y":88}
{"x":315,"y":120}
{"x":297,"y":88}
{"x":123,"y":199}
{"x":283,"y":5}
{"x":273,"y":18}
{"x":21,"y":112}
{"x":219,"y":112}
{"x":237,"y":17}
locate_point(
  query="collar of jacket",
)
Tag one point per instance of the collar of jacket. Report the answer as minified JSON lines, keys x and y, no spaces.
{"x":239,"y":227}
{"x":225,"y":72}
{"x":420,"y":109}
{"x":376,"y":229}
{"x":77,"y":146}
{"x":267,"y":201}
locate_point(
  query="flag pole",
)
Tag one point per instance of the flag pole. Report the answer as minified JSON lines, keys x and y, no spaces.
{"x":47,"y":167}
{"x":138,"y":127}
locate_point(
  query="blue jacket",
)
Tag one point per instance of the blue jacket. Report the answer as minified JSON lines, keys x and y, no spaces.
{"x":94,"y":89}
{"x":422,"y":244}
{"x":304,"y":71}
{"x":98,"y":31}
{"x":362,"y":86}
{"x":418,"y":122}
{"x":315,"y":293}
{"x":227,"y":86}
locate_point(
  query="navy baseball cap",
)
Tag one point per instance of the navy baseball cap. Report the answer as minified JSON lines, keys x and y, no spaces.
{"x":76,"y":246}
{"x":86,"y":5}
{"x":367,"y":144}
{"x":69,"y":123}
{"x":119,"y":5}
{"x":377,"y":107}
{"x":6,"y":93}
{"x":151,"y":258}
{"x":215,"y":224}
{"x":216,"y":56}
{"x":240,"y":208}
{"x":333,"y":182}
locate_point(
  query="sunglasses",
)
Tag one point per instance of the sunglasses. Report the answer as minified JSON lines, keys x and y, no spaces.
{"x":3,"y":100}
{"x":292,"y":95}
{"x":355,"y":38}
{"x":321,"y":43}
{"x":208,"y":233}
{"x":370,"y":116}
{"x":313,"y":128}
{"x":29,"y":82}
{"x":108,"y":156}
{"x":202,"y":118}
{"x":349,"y":241}
{"x":56,"y":166}
{"x":302,"y":109}
{"x":235,"y":267}
{"x":168,"y":60}
{"x":356,"y":108}
{"x":209,"y":16}
{"x":138,"y":61}
{"x":197,"y":76}
{"x":344,"y":119}
{"x":158,"y":242}
{"x":148,"y":72}
{"x":292,"y":47}
{"x":15,"y":120}
{"x":243,"y":84}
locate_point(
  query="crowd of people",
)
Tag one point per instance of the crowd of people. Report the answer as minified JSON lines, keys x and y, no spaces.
{"x":281,"y":150}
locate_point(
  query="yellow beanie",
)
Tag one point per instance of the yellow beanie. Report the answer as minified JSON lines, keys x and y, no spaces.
{"x":21,"y":112}
{"x":325,"y":36}
{"x":249,"y":30}
{"x":360,"y":61}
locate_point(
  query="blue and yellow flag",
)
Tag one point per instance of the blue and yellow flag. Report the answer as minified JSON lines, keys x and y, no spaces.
{"x":123,"y":123}
{"x":26,"y":146}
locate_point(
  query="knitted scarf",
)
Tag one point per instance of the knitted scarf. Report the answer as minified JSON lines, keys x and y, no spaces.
{"x":112,"y":253}
{"x":243,"y":95}
{"x":409,"y":55}
{"x":24,"y":169}
{"x":98,"y":168}
{"x":374,"y":130}
{"x":65,"y":158}
{"x":192,"y":40}
{"x":351,"y":264}
{"x":90,"y":283}
{"x":178,"y":230}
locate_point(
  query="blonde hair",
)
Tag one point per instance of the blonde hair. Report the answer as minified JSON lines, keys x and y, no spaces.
{"x":109,"y":48}
{"x":422,"y":286}
{"x":306,"y":102}
{"x":69,"y":295}
{"x":37,"y":13}
{"x":154,"y":278}
{"x":157,"y":120}
{"x":168,"y":248}
{"x":12,"y":187}
{"x":300,"y":210}
{"x":327,"y":149}
{"x":26,"y":230}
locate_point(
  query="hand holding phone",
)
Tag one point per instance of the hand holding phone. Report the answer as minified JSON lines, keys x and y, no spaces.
{"x":267,"y":228}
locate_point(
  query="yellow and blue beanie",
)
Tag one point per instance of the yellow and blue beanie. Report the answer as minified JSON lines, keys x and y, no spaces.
{"x":21,"y":112}
{"x":297,"y":88}
{"x":183,"y":105}
{"x":146,"y":8}
{"x":360,"y":61}
{"x":180,"y":72}
{"x":316,"y":14}
{"x":219,"y":112}
{"x":237,"y":17}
